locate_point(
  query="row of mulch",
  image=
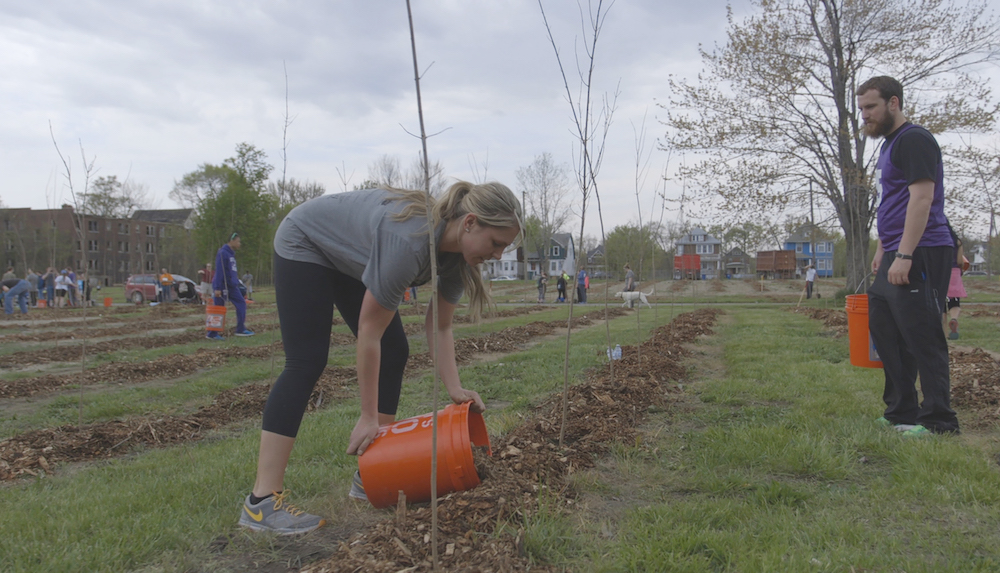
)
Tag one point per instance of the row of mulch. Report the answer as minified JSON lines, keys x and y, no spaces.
{"x":73,"y":352}
{"x":39,"y":450}
{"x":479,"y":529}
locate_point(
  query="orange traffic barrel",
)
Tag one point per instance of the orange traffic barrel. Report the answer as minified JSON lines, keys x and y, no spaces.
{"x":400,"y":456}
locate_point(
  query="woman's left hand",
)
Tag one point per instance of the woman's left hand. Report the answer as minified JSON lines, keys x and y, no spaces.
{"x":462,"y":396}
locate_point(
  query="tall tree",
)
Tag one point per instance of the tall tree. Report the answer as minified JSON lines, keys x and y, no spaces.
{"x":251,"y":164}
{"x":626,"y":243}
{"x":544,"y":185}
{"x":114,"y":199}
{"x":774,"y":109}
{"x":976,"y":195}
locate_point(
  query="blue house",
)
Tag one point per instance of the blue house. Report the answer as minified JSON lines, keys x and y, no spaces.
{"x":801,"y":242}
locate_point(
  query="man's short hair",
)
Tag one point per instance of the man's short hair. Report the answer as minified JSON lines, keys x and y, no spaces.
{"x":886,"y":86}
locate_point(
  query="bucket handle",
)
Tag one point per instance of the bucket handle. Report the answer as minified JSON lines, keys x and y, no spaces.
{"x":863,"y":281}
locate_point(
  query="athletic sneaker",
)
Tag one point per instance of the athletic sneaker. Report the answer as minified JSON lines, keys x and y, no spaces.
{"x":213,"y":335}
{"x":904,"y":427}
{"x":953,"y":326}
{"x":357,"y":489}
{"x":883,"y":421}
{"x":917,"y":431}
{"x":246,"y":332}
{"x":275,"y":515}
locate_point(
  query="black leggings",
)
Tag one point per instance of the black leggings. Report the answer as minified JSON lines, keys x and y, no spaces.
{"x":306,"y":294}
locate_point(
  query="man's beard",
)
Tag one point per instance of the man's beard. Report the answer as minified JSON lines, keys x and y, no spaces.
{"x":881,"y":128}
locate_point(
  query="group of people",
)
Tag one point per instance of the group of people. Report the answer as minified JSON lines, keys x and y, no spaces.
{"x":583,"y":284}
{"x":58,"y":289}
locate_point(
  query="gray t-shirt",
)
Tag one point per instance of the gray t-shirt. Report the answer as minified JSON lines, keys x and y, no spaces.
{"x":355,"y":233}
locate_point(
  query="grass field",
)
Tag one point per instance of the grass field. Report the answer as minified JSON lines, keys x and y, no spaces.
{"x":770,"y":461}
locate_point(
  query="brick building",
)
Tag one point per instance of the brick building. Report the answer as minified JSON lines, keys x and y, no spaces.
{"x":110,"y":249}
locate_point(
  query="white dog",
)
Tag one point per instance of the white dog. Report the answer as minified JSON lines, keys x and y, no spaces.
{"x":631,"y":297}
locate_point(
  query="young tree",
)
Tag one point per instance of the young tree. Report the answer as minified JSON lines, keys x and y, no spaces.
{"x":544,"y":186}
{"x":774,"y":109}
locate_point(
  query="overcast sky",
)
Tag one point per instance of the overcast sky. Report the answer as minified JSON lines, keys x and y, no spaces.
{"x":154,"y":89}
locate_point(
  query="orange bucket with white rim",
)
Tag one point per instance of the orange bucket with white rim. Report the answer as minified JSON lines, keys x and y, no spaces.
{"x":215,"y":318}
{"x":863,"y":352}
{"x":400,"y":456}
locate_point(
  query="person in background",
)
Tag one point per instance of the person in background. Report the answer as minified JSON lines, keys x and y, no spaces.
{"x":18,"y":289}
{"x":226,"y":285}
{"x":582,"y":282}
{"x":561,"y":283}
{"x":9,"y":274}
{"x":810,"y":279}
{"x":413,"y":294}
{"x":956,"y":290}
{"x":50,"y":287}
{"x":32,"y":279}
{"x":912,"y":265}
{"x":248,"y":282}
{"x":71,"y":287}
{"x":167,"y":285}
{"x":205,"y":277}
{"x":543,"y":281}
{"x":62,"y":288}
{"x":629,"y":279}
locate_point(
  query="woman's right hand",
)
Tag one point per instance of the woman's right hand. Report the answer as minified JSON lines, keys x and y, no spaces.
{"x":362,"y":435}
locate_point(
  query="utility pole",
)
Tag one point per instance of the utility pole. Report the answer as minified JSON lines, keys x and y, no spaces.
{"x":812,"y":228}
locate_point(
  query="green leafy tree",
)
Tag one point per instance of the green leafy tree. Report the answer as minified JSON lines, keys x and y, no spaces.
{"x":625,"y":243}
{"x":774,"y":109}
{"x":232,"y":198}
{"x":108,"y":197}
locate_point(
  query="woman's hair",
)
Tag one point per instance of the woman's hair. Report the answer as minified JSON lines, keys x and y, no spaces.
{"x":493,"y":204}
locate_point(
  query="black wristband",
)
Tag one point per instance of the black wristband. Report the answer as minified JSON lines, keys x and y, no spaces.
{"x":900,"y":255}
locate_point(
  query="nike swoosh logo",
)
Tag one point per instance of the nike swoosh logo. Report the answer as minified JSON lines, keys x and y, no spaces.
{"x":255,"y":516}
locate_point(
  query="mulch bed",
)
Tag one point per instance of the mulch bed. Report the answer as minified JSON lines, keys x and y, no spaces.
{"x":975,"y":387}
{"x":25,"y":454}
{"x":478,"y":529}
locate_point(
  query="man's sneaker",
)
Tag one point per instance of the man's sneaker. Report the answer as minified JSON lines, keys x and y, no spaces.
{"x":275,"y":515}
{"x":905,"y":427}
{"x":917,"y":431}
{"x":214,"y":336}
{"x":953,"y":326}
{"x":246,"y":332}
{"x":357,"y":489}
{"x":883,"y":421}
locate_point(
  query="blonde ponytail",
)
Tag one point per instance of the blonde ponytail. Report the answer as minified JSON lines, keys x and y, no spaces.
{"x":493,"y":204}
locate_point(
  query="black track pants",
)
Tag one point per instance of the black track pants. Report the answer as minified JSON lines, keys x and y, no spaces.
{"x":905,"y":324}
{"x":306,"y":294}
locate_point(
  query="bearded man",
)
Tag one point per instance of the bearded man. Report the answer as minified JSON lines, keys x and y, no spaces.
{"x":912,"y":265}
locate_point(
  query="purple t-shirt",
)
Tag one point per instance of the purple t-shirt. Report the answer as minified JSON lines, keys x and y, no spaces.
{"x":893,"y":188}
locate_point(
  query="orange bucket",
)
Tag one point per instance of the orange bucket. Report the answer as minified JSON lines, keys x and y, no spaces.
{"x":215,"y":318}
{"x":400,"y":456}
{"x":863,"y":351}
{"x":107,"y":302}
{"x":42,"y":303}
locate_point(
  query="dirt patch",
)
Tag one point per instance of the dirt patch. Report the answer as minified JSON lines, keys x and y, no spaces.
{"x":527,"y":462}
